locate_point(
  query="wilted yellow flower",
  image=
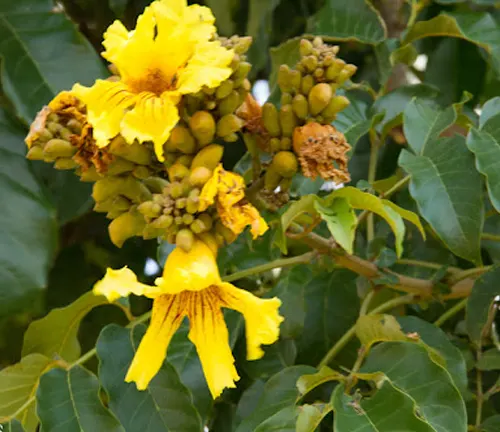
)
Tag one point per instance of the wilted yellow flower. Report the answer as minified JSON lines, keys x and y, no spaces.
{"x":227,"y":190}
{"x":170,"y":53}
{"x":191,"y":286}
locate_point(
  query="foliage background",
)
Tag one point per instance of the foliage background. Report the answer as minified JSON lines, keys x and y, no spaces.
{"x":53,"y":248}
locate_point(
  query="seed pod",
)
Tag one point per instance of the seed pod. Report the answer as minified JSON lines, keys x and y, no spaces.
{"x":199,"y":176}
{"x":286,"y":143}
{"x":305,"y":48}
{"x":177,"y":172}
{"x":270,"y":118}
{"x":285,"y":164}
{"x":300,"y":106}
{"x":288,"y":120}
{"x":319,"y":97}
{"x":346,"y":73}
{"x":224,"y":89}
{"x":306,"y":84}
{"x":242,"y":71}
{"x":184,"y":239}
{"x":202,"y":126}
{"x":135,"y":152}
{"x":65,"y":164}
{"x":126,"y":225}
{"x":35,"y":153}
{"x":334,"y":69}
{"x":286,"y":98}
{"x":59,"y":148}
{"x":230,"y":103}
{"x":208,"y":157}
{"x":155,"y":184}
{"x":229,"y":124}
{"x":182,"y":140}
{"x":284,"y":78}
{"x":209,"y":240}
{"x":274,"y":145}
{"x":119,"y":166}
{"x":150,"y":209}
{"x":337,"y":104}
{"x":271,"y":179}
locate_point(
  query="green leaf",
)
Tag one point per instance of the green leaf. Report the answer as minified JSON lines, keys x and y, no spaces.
{"x":491,"y":424}
{"x":427,"y":383}
{"x":424,"y":122}
{"x":307,"y":383}
{"x":12,"y":426}
{"x":480,"y":301}
{"x":393,"y":104}
{"x":56,"y":334}
{"x":27,"y":224}
{"x":447,"y":190}
{"x":69,"y":400}
{"x":388,"y":410}
{"x":478,"y":28}
{"x":45,"y":54}
{"x":222,"y":10}
{"x":280,"y":393}
{"x":490,"y":360}
{"x":341,"y":221}
{"x":283,"y":421}
{"x":371,"y":329}
{"x":489,"y":110}
{"x":485,"y":144}
{"x":297,"y":208}
{"x":19,"y":383}
{"x":340,"y":20}
{"x":310,"y":416}
{"x":164,"y":406}
{"x":437,"y":339}
{"x":290,"y":290}
{"x":277,"y":356}
{"x":332,"y":306}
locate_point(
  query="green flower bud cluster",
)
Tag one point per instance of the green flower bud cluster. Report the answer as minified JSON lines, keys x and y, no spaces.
{"x":222,"y":102}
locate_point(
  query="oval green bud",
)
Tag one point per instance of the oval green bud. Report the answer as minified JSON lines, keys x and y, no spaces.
{"x":192,"y":205}
{"x":288,"y":120}
{"x":319,"y":98}
{"x":334,"y":69}
{"x":274,"y":145}
{"x":59,"y":148}
{"x":141,"y":172}
{"x":230,"y":103}
{"x":284,"y":78}
{"x":74,"y":126}
{"x":182,"y":140}
{"x":126,"y":225}
{"x":65,"y":164}
{"x":229,"y":124}
{"x":177,"y":172}
{"x":310,"y":63}
{"x":35,"y":153}
{"x":286,"y":98}
{"x":208,"y":157}
{"x":135,"y":152}
{"x":225,"y":89}
{"x":295,"y":79}
{"x":119,"y":166}
{"x":162,"y":222}
{"x":271,"y":179}
{"x":346,"y":73}
{"x":242,"y":71}
{"x":285,"y":164}
{"x":300,"y":106}
{"x":150,"y":209}
{"x":270,"y":119}
{"x":199,"y":176}
{"x":337,"y":104}
{"x":286,"y":143}
{"x":185,"y":239}
{"x":187,"y":218}
{"x":306,"y":84}
{"x":202,"y":125}
{"x":305,"y":47}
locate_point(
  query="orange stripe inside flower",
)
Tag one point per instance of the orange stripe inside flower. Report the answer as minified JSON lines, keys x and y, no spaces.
{"x":191,"y":286}
{"x":171,"y":52}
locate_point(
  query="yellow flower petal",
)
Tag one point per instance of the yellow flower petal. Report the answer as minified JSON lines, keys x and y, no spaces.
{"x":210,"y":190}
{"x":236,"y":218}
{"x":262,"y":319}
{"x":166,"y":319}
{"x":152,"y":119}
{"x":121,"y":283}
{"x":106,"y":103}
{"x":228,"y":187}
{"x":209,"y":333}
{"x":115,"y":39}
{"x":189,"y":271}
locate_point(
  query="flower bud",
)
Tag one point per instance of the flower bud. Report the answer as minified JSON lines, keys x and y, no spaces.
{"x":229,"y":124}
{"x":285,"y":164}
{"x":74,"y":126}
{"x":271,"y":179}
{"x":306,"y":84}
{"x":126,"y":225}
{"x":346,"y":73}
{"x":185,"y":239}
{"x":310,"y":63}
{"x":337,"y":104}
{"x":150,"y":209}
{"x":137,"y":153}
{"x":305,"y":48}
{"x":180,"y":203}
{"x":141,"y":172}
{"x":288,"y":120}
{"x":208,"y":157}
{"x":59,"y":148}
{"x":119,"y":166}
{"x":319,"y":97}
{"x":155,"y":184}
{"x":274,"y":145}
{"x":202,"y":125}
{"x":224,"y":89}
{"x":185,"y":160}
{"x":187,"y":218}
{"x":230,"y":103}
{"x":284,"y":78}
{"x":334,"y":69}
{"x":270,"y":119}
{"x":65,"y":164}
{"x":199,"y":176}
{"x":35,"y":153}
{"x":286,"y":98}
{"x":286,"y":143}
{"x":177,"y":172}
{"x":182,"y":140}
{"x":242,"y":71}
{"x":300,"y":106}
{"x":225,"y":232}
{"x":162,"y":222}
{"x":209,"y":240}
{"x":295,"y":79}
{"x":192,"y":206}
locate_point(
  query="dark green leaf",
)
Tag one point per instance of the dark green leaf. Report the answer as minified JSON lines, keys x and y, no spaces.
{"x":164,"y":406}
{"x":12,"y":426}
{"x":490,"y":360}
{"x":489,"y":109}
{"x":44,"y":55}
{"x":483,"y":293}
{"x":447,"y":190}
{"x":280,"y":394}
{"x":491,"y":424}
{"x":435,"y":338}
{"x":340,"y":19}
{"x":485,"y":144}
{"x":388,"y":410}
{"x":69,"y":400}
{"x":277,"y":356}
{"x":332,"y":306}
{"x":428,"y":384}
{"x":28,"y":226}
{"x":479,"y":28}
{"x":222,"y":10}
{"x":283,"y":421}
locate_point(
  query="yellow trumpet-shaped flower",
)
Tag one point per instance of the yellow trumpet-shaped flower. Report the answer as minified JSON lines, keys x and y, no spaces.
{"x":227,"y":190}
{"x":191,"y":286}
{"x":170,"y":53}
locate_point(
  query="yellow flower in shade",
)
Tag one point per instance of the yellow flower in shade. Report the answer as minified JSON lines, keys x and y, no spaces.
{"x":191,"y":286}
{"x":170,"y":53}
{"x":227,"y":190}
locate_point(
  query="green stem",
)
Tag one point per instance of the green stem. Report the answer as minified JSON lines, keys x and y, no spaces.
{"x":372,"y":175}
{"x":363,"y":310}
{"x":342,"y":342}
{"x":456,"y":308}
{"x":279,"y":263}
{"x":464,"y":274}
{"x":426,"y":264}
{"x":492,"y":237}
